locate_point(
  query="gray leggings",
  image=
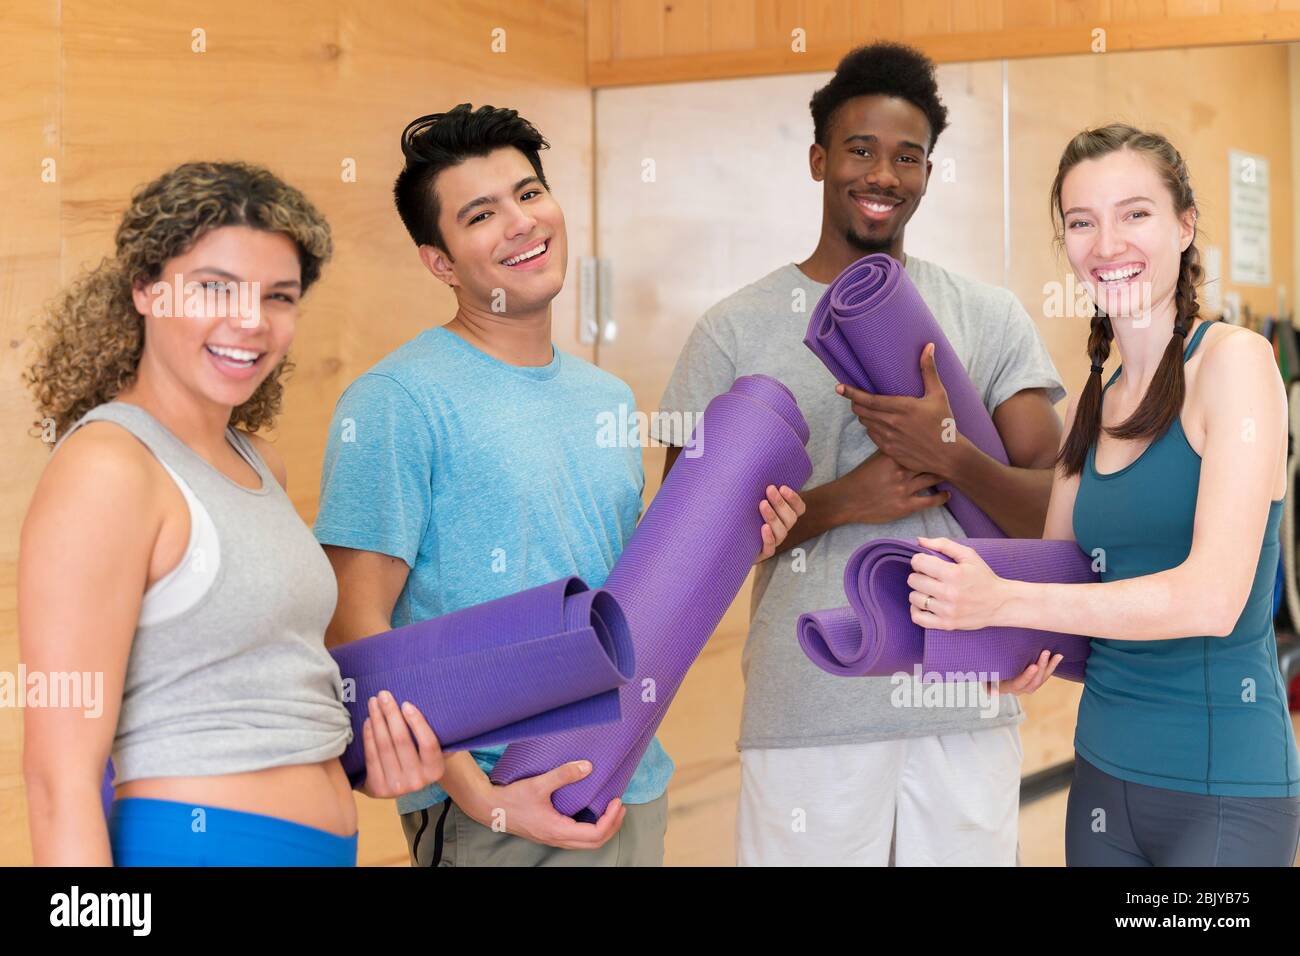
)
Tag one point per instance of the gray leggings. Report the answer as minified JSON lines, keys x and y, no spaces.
{"x":1113,"y":822}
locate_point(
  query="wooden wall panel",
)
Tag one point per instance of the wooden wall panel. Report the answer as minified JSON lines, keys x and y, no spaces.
{"x":29,"y":274}
{"x":883,"y":18}
{"x":115,"y":94}
{"x":1196,"y":97}
{"x":948,"y":30}
{"x":686,"y":27}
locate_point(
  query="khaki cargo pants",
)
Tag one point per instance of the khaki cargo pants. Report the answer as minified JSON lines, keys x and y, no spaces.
{"x":443,"y":835}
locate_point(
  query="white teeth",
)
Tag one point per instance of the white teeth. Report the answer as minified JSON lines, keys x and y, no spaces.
{"x":1116,"y":274}
{"x":238,"y":355}
{"x":877,"y":206}
{"x":524,"y":256}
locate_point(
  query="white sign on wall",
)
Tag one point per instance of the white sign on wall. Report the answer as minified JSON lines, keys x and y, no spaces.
{"x":1248,"y":240}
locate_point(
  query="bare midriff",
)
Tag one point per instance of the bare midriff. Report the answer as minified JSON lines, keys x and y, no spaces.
{"x":314,"y":795}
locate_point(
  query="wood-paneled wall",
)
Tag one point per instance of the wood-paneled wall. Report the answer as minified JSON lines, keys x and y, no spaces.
{"x":1207,"y":101}
{"x":667,"y":41}
{"x":114,"y":95}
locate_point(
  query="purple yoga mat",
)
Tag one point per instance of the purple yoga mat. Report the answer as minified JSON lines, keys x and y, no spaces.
{"x":106,"y":792}
{"x":544,"y":660}
{"x":681,"y":569}
{"x":875,"y":635}
{"x":869,"y":328}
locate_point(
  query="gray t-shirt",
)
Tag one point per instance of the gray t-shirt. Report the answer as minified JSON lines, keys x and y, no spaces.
{"x":789,"y":702}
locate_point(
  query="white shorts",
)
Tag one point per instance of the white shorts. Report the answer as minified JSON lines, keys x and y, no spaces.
{"x":951,"y":800}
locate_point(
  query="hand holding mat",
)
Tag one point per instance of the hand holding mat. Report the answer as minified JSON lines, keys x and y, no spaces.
{"x":869,"y":328}
{"x":875,"y":635}
{"x":544,"y":660}
{"x":681,"y":569}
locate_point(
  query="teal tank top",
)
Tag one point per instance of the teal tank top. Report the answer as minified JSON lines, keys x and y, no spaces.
{"x":1202,"y":715}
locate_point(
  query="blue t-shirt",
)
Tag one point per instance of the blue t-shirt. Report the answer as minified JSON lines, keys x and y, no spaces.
{"x":486,"y":479}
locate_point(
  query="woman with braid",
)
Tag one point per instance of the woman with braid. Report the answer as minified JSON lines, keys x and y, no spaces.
{"x":1172,"y":477}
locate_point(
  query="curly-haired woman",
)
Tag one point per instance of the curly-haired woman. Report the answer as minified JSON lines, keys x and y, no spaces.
{"x":161,"y":550}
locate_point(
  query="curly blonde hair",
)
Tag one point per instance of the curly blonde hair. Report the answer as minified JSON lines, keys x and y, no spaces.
{"x":88,"y":349}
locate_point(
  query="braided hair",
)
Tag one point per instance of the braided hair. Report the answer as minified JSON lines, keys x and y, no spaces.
{"x":1163,"y":400}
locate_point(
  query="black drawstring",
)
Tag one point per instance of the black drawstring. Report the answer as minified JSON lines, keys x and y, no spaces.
{"x":437,"y":833}
{"x":424,"y":822}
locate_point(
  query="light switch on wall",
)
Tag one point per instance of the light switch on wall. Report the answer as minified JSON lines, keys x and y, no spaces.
{"x":608,"y":327}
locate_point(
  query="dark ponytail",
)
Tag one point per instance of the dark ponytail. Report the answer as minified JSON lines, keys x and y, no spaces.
{"x":1163,"y":400}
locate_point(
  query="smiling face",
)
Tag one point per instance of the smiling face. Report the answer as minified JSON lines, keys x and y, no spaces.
{"x":503,"y":230}
{"x":875,"y":170}
{"x":217,"y":341}
{"x":1123,"y":237}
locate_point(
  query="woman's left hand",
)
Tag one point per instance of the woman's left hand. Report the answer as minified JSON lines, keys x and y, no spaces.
{"x":397,"y":762}
{"x":960,"y":595}
{"x":780,"y":511}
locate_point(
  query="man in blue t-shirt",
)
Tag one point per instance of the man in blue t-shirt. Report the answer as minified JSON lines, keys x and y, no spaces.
{"x":469,"y":464}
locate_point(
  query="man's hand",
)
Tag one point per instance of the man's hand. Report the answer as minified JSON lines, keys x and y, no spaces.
{"x":1032,"y":677}
{"x":524,"y":809}
{"x":918,"y":433}
{"x":880,"y":490}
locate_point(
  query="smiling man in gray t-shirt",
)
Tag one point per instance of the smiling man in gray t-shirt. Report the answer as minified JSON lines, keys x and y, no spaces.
{"x":871,"y":770}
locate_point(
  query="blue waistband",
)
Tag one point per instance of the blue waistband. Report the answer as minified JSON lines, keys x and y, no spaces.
{"x":148,"y":832}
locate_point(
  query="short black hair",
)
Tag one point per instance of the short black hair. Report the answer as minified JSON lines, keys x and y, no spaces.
{"x":441,"y":140}
{"x":881,"y":69}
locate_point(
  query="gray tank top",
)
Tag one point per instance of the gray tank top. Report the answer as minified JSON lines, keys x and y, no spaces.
{"x":240,"y":680}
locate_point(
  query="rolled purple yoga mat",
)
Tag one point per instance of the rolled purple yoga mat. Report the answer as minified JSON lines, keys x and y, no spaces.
{"x":681,"y":569}
{"x":869,"y":328}
{"x":544,"y":660}
{"x":875,"y":635}
{"x":106,"y":792}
